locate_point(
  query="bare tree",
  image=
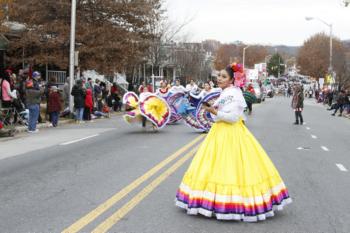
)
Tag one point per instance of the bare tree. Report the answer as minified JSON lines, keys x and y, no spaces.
{"x":313,"y":57}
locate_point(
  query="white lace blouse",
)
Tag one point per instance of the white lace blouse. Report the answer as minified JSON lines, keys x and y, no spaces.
{"x":230,"y":105}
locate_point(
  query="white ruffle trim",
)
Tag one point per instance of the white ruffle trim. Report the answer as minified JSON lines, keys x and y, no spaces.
{"x":237,"y":217}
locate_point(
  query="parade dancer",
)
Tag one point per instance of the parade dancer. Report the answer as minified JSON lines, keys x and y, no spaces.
{"x":206,"y":91}
{"x":231,"y":177}
{"x":149,"y":107}
{"x":178,"y":88}
{"x":164,"y":90}
{"x":250,"y":97}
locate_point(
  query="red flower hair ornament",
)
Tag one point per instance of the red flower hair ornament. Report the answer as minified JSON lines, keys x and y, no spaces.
{"x":240,"y":78}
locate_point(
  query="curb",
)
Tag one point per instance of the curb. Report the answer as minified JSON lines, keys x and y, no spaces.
{"x":22,"y":129}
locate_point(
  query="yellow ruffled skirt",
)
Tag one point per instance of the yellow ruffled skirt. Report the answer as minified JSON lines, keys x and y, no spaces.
{"x":232,"y":178}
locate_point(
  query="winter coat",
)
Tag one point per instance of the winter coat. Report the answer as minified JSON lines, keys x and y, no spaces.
{"x":54,"y":103}
{"x":79,"y":96}
{"x":298,"y":100}
{"x":342,"y":99}
{"x":33,"y":96}
{"x":88,"y":99}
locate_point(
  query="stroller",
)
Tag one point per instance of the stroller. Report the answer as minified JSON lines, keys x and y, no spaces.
{"x":21,"y":111}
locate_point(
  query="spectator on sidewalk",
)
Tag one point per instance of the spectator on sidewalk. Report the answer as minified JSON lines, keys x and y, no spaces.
{"x":52,"y":83}
{"x":54,"y":105}
{"x":7,"y":95}
{"x":89,"y":105}
{"x":342,"y":101}
{"x":79,"y":100}
{"x":66,"y":93}
{"x":98,"y":95}
{"x":89,"y":84}
{"x":115,"y":100}
{"x":33,"y":98}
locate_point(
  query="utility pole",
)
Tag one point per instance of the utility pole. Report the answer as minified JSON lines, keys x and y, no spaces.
{"x":72,"y":51}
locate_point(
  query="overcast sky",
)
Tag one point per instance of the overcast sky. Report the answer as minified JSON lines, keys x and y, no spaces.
{"x":269,"y":22}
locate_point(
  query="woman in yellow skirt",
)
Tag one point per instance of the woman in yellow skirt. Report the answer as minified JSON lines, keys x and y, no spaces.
{"x":231,"y":177}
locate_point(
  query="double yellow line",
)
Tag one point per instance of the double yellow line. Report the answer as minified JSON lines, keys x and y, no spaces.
{"x":114,"y":218}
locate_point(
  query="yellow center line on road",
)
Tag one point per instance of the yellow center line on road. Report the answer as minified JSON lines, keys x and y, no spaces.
{"x":119,"y":214}
{"x":91,"y":216}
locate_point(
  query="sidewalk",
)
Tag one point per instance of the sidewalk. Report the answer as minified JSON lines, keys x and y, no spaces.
{"x":64,"y":121}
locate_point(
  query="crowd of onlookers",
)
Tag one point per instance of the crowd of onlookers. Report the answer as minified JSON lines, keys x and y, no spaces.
{"x":336,"y":100}
{"x":95,"y":99}
{"x":28,"y":99}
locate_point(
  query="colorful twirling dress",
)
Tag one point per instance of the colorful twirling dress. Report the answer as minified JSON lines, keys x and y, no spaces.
{"x":231,"y":177}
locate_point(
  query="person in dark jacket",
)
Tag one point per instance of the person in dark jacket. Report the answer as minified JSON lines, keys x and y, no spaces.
{"x":78,"y":92}
{"x":33,"y":99}
{"x":298,"y":104}
{"x":342,"y":101}
{"x":54,"y":105}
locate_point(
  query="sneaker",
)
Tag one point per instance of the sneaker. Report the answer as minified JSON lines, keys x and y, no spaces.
{"x":33,"y":131}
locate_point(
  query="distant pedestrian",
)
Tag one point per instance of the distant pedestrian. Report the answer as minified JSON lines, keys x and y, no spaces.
{"x":298,"y":104}
{"x":66,"y":94}
{"x":89,"y":105}
{"x":33,"y":99}
{"x":89,"y":84}
{"x":79,"y":100}
{"x":54,"y":105}
{"x":289,"y":91}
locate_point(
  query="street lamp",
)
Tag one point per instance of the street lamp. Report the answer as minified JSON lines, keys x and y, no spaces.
{"x":72,"y":51}
{"x":330,"y":41}
{"x":244,"y":56}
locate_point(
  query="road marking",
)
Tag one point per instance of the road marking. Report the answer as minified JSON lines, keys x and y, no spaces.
{"x":324,"y":148}
{"x":308,"y":128}
{"x":341,"y":167}
{"x":313,"y":136}
{"x":78,"y":140}
{"x":91,"y":216}
{"x":303,"y":148}
{"x":119,"y":214}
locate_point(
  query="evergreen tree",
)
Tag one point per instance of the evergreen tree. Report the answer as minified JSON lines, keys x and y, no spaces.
{"x":276,"y":65}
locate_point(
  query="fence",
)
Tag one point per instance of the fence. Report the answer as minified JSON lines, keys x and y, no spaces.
{"x":60,"y":76}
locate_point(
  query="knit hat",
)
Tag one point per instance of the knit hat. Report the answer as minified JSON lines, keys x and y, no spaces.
{"x":54,"y":88}
{"x":36,"y":75}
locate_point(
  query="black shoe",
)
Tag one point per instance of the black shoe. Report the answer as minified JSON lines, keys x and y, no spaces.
{"x":333,"y":114}
{"x":296,"y":123}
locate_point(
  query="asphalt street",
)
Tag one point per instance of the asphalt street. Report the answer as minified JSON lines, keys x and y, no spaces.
{"x":108,"y":176}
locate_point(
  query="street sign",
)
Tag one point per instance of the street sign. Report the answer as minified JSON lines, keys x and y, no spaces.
{"x":76,"y":58}
{"x":321,"y":82}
